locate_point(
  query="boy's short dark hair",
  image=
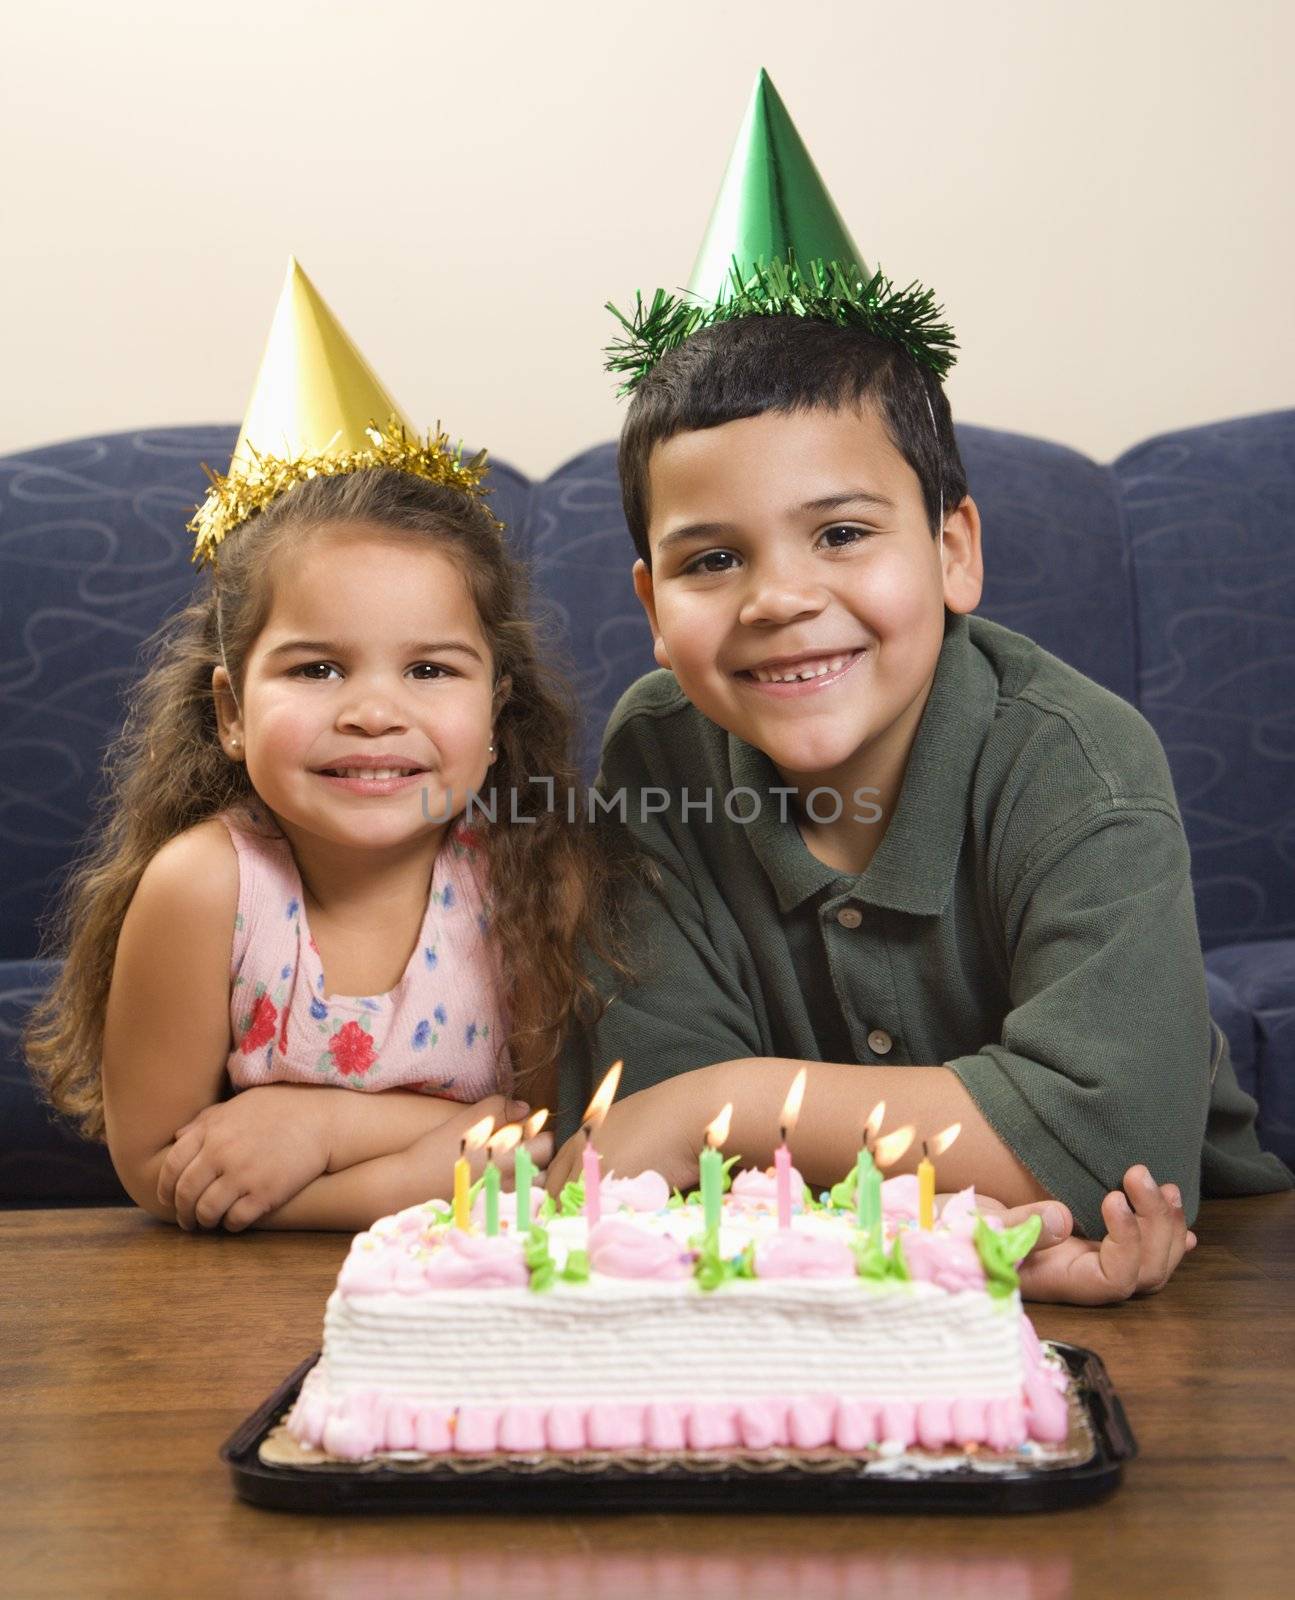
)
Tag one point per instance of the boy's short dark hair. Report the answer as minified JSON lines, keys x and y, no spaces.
{"x":751,"y":365}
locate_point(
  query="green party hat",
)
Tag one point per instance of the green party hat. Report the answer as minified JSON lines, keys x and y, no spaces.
{"x":776,"y":245}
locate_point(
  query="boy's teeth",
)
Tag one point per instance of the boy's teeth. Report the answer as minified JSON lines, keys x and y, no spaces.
{"x":801,"y":674}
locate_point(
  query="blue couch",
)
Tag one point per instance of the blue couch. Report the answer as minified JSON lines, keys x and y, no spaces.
{"x":1169,"y":576}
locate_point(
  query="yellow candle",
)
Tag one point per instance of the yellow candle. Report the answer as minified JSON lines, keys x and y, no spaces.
{"x":925,"y":1191}
{"x":462,"y":1182}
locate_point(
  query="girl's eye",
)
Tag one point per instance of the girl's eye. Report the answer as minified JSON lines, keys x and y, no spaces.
{"x":713,"y":561}
{"x":309,"y":670}
{"x":433,"y":671}
{"x":841,"y":534}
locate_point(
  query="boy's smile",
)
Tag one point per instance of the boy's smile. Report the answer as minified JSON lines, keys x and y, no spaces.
{"x":797,"y":593}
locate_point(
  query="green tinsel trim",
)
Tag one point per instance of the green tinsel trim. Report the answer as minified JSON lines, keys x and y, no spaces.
{"x":825,"y":291}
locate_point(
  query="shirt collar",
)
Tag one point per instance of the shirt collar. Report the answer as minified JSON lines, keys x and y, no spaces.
{"x":914,"y":865}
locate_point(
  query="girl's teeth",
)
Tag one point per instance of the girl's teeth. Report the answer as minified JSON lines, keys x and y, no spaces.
{"x":370,"y":772}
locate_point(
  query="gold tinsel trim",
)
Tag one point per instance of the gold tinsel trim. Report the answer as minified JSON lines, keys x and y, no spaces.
{"x":249,"y":489}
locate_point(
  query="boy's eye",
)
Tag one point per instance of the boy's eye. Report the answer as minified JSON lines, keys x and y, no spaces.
{"x":712,"y":561}
{"x":843,"y":533}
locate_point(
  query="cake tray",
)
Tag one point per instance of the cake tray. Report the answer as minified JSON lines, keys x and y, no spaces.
{"x":263,"y":1463}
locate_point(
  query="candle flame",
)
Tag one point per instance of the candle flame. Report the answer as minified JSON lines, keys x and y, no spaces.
{"x":876,"y":1117}
{"x":717,"y":1131}
{"x":942,"y":1141}
{"x":791,"y":1105}
{"x":891,"y":1146}
{"x":534,"y":1123}
{"x":505,"y":1139}
{"x":603,"y":1096}
{"x":476,"y":1135}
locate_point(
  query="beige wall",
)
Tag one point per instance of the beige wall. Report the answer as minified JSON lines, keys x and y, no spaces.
{"x":1099,"y":190}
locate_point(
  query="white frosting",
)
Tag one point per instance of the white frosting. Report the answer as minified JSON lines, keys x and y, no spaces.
{"x":632,"y":1341}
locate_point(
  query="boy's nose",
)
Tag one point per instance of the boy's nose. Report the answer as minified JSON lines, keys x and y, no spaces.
{"x":781,"y":597}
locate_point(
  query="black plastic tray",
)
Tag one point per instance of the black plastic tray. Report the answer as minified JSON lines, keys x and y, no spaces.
{"x":611,"y":1488}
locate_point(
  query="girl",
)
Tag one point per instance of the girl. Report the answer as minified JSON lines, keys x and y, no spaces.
{"x":287,"y":899}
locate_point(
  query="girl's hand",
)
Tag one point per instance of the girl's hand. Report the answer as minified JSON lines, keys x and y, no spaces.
{"x":237,"y":1160}
{"x":437,"y":1150}
{"x":1145,"y":1242}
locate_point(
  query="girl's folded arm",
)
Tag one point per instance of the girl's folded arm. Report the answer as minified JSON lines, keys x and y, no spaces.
{"x":166,"y":1037}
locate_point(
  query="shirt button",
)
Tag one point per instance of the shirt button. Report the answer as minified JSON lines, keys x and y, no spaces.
{"x":849,"y":917}
{"x":879,"y":1042}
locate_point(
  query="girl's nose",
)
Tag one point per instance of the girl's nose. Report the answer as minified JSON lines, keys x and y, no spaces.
{"x":373,"y":711}
{"x":781,"y":594}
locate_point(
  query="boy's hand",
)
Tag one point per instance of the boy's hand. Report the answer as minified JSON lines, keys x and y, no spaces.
{"x":649,"y":1130}
{"x":237,"y":1160}
{"x":1145,"y":1242}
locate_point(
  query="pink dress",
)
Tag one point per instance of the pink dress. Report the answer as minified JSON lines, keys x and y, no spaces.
{"x":437,"y":1031}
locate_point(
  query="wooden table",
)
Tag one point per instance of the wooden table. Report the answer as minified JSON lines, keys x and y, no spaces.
{"x":129,"y":1351}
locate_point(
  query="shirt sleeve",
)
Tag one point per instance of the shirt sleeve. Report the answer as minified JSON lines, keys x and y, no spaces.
{"x":1106,"y":1053}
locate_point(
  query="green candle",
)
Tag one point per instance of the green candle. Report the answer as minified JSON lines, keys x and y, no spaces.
{"x":710,"y":1169}
{"x":492,"y":1199}
{"x":868,"y":1196}
{"x":523,"y":1172}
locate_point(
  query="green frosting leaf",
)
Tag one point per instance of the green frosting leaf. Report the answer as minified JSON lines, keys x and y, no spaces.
{"x":539,"y":1259}
{"x":547,"y":1209}
{"x":571,"y":1202}
{"x":1000,"y":1252}
{"x":675,"y":1201}
{"x":576,"y":1267}
{"x":897,"y":1267}
{"x":869,"y":1255}
{"x":726,"y":1174}
{"x":842,"y":1195}
{"x":475,"y":1190}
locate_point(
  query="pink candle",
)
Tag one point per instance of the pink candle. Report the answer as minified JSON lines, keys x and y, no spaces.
{"x":782,"y":1172}
{"x":782,"y":1155}
{"x":593,"y":1175}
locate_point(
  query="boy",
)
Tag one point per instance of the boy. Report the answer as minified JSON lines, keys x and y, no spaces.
{"x":892,"y":832}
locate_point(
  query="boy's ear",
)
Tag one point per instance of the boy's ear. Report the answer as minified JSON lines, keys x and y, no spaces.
{"x":964,"y":567}
{"x":229,"y":719}
{"x":647,"y":599}
{"x":502,"y":694}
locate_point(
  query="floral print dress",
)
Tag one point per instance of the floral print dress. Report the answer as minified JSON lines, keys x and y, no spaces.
{"x":437,"y":1031}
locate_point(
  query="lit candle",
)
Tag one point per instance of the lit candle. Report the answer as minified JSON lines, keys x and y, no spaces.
{"x":885,"y":1152}
{"x":710,"y":1167}
{"x":503,"y":1141}
{"x":867,"y":1179}
{"x":782,"y":1155}
{"x":590,"y":1164}
{"x":473,"y":1139}
{"x":524,"y":1168}
{"x":926,"y":1174}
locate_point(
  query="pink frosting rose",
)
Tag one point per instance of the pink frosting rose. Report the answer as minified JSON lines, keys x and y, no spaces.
{"x":648,"y":1192}
{"x":788,"y":1254}
{"x":949,"y":1260}
{"x":759,"y":1186}
{"x":473,"y":1261}
{"x":621,"y":1250}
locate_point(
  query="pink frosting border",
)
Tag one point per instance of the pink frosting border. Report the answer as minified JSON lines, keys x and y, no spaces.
{"x":359,"y":1425}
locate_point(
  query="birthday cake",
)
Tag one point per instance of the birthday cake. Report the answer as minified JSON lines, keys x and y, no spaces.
{"x":646,"y":1332}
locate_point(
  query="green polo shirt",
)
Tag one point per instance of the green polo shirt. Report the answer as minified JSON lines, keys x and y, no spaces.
{"x":1027,"y":920}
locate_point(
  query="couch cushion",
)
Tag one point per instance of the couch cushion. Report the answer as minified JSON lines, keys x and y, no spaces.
{"x":1252,"y":998}
{"x":1211,"y":516}
{"x":42,"y":1162}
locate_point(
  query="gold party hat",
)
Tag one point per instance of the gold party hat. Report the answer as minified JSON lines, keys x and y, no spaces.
{"x":317,"y":410}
